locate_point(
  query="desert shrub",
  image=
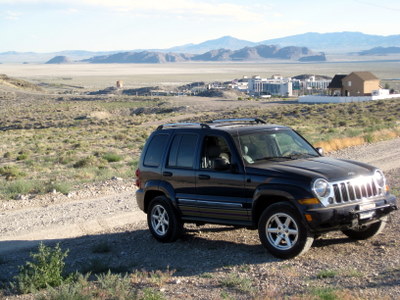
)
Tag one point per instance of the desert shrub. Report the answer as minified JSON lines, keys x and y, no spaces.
{"x":11,"y":172}
{"x":22,"y":156}
{"x":19,"y":187}
{"x":61,"y":187}
{"x":237,"y":282}
{"x":45,"y":269}
{"x":106,"y":286}
{"x":112,"y":157}
{"x":152,"y":294}
{"x":89,"y":161}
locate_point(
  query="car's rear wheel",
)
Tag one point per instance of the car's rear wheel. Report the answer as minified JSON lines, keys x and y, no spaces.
{"x":366,"y":232}
{"x":163,"y":221}
{"x":282,"y":232}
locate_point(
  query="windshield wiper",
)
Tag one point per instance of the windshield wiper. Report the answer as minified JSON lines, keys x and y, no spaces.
{"x":273,"y":157}
{"x":293,"y":156}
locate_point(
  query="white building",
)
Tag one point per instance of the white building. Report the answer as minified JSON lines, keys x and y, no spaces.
{"x":276,"y":86}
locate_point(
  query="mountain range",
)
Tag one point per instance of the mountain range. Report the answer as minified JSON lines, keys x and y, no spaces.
{"x":335,"y":42}
{"x":257,"y":53}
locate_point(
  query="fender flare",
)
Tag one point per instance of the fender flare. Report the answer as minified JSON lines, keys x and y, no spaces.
{"x":290,"y":193}
{"x":159,"y":187}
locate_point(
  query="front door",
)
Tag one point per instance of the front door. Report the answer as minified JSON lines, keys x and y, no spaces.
{"x":219,"y":183}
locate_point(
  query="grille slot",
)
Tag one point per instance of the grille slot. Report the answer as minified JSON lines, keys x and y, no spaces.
{"x":354,"y":190}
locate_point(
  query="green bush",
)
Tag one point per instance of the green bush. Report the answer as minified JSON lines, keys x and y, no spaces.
{"x":112,"y":157}
{"x":22,"y":156}
{"x":107,"y":286}
{"x":61,"y":187}
{"x":45,"y":269}
{"x":89,"y":161}
{"x":11,"y":172}
{"x":18,"y":187}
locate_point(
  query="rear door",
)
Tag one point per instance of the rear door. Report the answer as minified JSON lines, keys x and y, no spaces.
{"x":179,"y":170}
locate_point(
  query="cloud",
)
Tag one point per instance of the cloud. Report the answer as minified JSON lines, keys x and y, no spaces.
{"x":184,"y":8}
{"x":12,"y":15}
{"x":180,"y":8}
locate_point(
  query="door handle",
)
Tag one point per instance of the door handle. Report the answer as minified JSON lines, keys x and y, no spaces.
{"x":204,"y":177}
{"x":167,"y":174}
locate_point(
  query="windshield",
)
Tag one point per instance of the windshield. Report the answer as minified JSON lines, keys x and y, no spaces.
{"x":274,"y":145}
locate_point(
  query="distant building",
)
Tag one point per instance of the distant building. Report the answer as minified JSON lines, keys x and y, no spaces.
{"x":276,"y":86}
{"x":120,"y":84}
{"x":354,"y":84}
{"x":335,"y":87}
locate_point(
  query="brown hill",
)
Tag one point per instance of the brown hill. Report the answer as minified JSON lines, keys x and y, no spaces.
{"x":260,"y":52}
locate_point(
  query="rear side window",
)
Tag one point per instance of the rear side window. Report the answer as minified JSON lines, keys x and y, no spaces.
{"x":183,"y":151}
{"x":155,"y":150}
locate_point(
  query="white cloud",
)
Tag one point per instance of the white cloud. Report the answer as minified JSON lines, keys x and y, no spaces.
{"x":181,"y":8}
{"x":189,"y":8}
{"x":12,"y":15}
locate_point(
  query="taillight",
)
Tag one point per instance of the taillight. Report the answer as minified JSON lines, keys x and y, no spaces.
{"x":137,"y":173}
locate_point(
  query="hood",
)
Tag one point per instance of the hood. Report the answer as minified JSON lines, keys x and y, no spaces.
{"x":329,"y":168}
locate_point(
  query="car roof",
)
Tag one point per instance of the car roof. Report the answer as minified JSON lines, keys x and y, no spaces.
{"x":240,"y":125}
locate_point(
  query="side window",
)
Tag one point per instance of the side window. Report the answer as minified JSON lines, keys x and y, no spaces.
{"x":215,"y":148}
{"x":155,"y":150}
{"x":183,"y":151}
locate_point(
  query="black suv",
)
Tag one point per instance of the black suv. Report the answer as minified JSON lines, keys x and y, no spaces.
{"x":244,"y":172}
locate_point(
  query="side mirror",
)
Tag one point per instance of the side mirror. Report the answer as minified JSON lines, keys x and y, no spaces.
{"x":221,"y":164}
{"x":320,"y":151}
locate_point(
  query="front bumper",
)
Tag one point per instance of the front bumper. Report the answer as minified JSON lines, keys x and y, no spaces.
{"x":350,"y":215}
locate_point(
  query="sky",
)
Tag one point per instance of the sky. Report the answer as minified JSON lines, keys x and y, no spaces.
{"x":107,"y":25}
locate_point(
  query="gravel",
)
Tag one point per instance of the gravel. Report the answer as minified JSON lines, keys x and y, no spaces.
{"x":206,"y":257}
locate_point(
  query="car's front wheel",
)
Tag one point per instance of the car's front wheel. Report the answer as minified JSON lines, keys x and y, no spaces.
{"x":282,"y":232}
{"x":163,"y":221}
{"x":366,"y":232}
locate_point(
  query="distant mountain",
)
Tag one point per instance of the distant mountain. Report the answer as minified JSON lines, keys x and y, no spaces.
{"x":139,"y":57}
{"x":339,"y":42}
{"x":34,"y":57}
{"x":334,"y":42}
{"x":260,"y":52}
{"x":59,"y":60}
{"x":225,"y":42}
{"x":381,"y":51}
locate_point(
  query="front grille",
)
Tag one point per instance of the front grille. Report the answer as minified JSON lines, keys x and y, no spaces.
{"x":355,"y":189}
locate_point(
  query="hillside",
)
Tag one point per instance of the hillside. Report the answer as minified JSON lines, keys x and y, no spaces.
{"x":381,"y":51}
{"x":59,"y":60}
{"x":18,"y":83}
{"x":260,"y":52}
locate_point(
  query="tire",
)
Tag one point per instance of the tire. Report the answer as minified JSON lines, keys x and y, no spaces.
{"x":282,"y":231}
{"x":366,"y":232}
{"x":163,"y":221}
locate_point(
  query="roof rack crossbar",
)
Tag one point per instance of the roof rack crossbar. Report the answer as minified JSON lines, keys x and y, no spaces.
{"x":182,"y":125}
{"x":237,"y":120}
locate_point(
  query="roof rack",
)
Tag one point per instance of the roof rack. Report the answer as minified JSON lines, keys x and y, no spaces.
{"x":182,"y":125}
{"x":239,"y":120}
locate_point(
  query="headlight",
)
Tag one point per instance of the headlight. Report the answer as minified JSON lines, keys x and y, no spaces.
{"x":321,"y":188}
{"x":379,"y":178}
